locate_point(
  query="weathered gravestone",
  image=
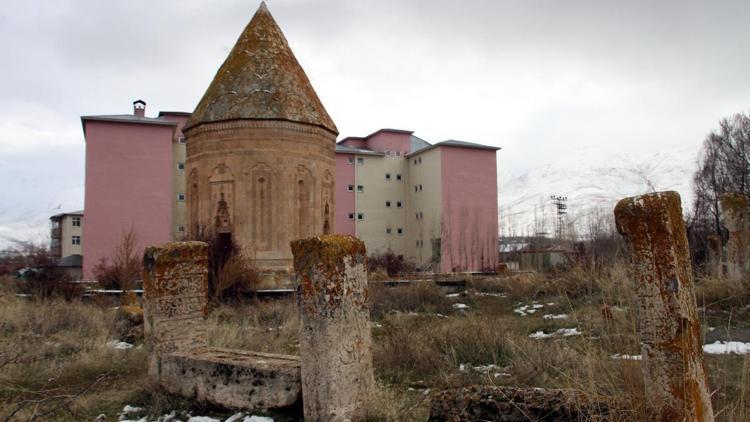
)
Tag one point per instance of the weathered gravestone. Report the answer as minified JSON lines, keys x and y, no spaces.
{"x":734,"y":216}
{"x":335,"y":338}
{"x":175,"y":292}
{"x":669,"y":328}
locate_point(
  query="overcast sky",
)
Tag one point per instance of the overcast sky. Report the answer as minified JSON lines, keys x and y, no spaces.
{"x":540,"y":79}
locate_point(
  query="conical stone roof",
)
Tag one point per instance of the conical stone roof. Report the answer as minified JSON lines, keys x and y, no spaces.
{"x":261,"y":79}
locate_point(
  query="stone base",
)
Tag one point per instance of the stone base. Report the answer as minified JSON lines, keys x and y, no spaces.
{"x":235,"y":379}
{"x":509,"y":404}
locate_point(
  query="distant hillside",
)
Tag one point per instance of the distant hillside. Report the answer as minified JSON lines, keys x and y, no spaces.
{"x":591,"y":179}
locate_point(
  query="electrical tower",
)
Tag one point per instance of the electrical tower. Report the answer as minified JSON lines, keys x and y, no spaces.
{"x":562,"y":210}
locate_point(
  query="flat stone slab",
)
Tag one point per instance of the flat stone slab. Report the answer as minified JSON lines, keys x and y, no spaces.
{"x":235,"y":379}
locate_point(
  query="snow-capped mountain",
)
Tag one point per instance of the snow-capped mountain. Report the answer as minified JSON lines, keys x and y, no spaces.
{"x":592,"y":179}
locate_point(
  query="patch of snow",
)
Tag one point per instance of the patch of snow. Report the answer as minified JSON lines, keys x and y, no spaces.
{"x":453,"y":295}
{"x":724,"y":348}
{"x":203,"y":419}
{"x":236,"y":417}
{"x":528,"y":309}
{"x":551,"y":316}
{"x":462,"y":367}
{"x":128,"y":409}
{"x":550,"y":303}
{"x":376,"y":325}
{"x":254,"y":418}
{"x":121,"y":345}
{"x":460,"y":306}
{"x":626,"y":357}
{"x":491,"y":294}
{"x":562,"y":332}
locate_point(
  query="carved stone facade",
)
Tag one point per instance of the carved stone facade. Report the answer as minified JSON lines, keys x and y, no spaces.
{"x":261,"y":141}
{"x":276,"y":179}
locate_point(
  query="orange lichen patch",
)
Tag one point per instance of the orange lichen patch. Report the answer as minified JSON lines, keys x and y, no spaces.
{"x":669,"y":326}
{"x":177,"y":266}
{"x":327,"y":269}
{"x":261,"y":79}
{"x":734,"y":201}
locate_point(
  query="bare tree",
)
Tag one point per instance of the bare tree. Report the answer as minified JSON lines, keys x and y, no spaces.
{"x":723,"y":166}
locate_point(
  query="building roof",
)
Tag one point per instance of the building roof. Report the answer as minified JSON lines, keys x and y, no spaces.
{"x":345,"y":149}
{"x":67,"y":213}
{"x":175,"y":113}
{"x":261,"y":79}
{"x":454,"y":143}
{"x":126,"y":118}
{"x":364,"y":138}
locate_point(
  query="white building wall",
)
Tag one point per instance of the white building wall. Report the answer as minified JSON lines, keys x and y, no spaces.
{"x":373,"y":201}
{"x":424,"y":205}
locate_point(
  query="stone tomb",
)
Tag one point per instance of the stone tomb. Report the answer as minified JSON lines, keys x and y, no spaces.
{"x":175,"y":291}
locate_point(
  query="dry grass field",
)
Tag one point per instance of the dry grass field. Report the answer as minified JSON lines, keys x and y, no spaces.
{"x":571,"y":329}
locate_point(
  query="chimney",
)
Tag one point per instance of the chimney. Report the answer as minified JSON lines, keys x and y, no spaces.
{"x":139,"y":108}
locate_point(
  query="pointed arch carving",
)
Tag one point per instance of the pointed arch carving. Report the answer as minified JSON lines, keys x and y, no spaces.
{"x":221,"y":184}
{"x":262,"y":202}
{"x":327,"y":201}
{"x":304,"y":199}
{"x":193,"y":200}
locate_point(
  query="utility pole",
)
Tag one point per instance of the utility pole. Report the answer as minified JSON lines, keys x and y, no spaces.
{"x":562,"y":210}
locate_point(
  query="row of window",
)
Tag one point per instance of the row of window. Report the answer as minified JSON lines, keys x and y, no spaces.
{"x":417,"y":188}
{"x":418,"y":160}
{"x":360,"y":160}
{"x":388,"y":176}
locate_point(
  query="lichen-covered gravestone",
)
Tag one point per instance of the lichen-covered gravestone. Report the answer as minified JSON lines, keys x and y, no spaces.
{"x":335,"y":339}
{"x":734,"y":215}
{"x":175,"y":293}
{"x":669,"y":328}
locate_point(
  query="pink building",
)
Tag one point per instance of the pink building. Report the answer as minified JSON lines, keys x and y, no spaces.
{"x":435,"y":204}
{"x":132,"y":181}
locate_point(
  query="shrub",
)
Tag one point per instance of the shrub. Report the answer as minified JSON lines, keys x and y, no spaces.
{"x":424,"y":297}
{"x":391,"y":263}
{"x":231,"y":273}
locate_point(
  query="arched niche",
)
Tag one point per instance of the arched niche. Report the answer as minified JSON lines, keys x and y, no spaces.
{"x":262,"y":204}
{"x":221,"y":182}
{"x":304,"y":200}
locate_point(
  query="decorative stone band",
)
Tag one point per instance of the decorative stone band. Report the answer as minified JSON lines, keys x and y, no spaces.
{"x":175,"y":293}
{"x":260,"y":124}
{"x":335,"y":339}
{"x":669,"y":327}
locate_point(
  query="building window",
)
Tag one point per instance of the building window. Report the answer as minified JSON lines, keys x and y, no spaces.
{"x":417,"y":243}
{"x":400,"y":230}
{"x":180,"y":196}
{"x":351,"y":216}
{"x":421,"y":216}
{"x":416,"y":188}
{"x":420,"y":188}
{"x":415,"y":161}
{"x":388,"y":204}
{"x":360,"y":188}
{"x":416,"y":215}
{"x":398,"y":204}
{"x":76,"y":222}
{"x":360,"y":216}
{"x":360,"y":161}
{"x":387,"y":176}
{"x":180,"y":229}
{"x":351,"y":159}
{"x":388,"y":230}
{"x":180,"y":166}
{"x":398,"y":177}
{"x":419,"y":160}
{"x":75,"y":240}
{"x":350,"y":188}
{"x":182,"y":140}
